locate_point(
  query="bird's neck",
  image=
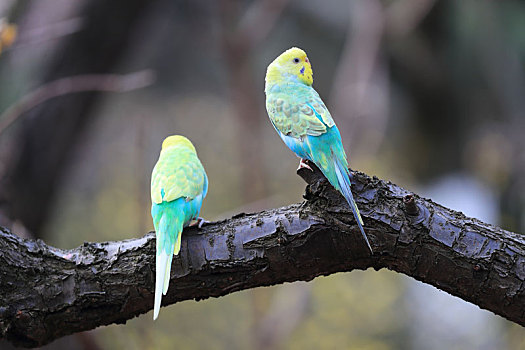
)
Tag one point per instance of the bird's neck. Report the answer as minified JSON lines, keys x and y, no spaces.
{"x":275,"y":78}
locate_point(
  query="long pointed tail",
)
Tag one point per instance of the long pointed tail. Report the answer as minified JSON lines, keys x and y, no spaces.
{"x":168,"y":243}
{"x":162,"y":279}
{"x":344,"y":183}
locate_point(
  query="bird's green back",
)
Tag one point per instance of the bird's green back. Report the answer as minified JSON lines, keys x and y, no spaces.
{"x":178,"y":173}
{"x":297,"y":110}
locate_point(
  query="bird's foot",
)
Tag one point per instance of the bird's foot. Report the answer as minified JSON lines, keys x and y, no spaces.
{"x":351,"y":174}
{"x":304,"y":164}
{"x":199,"y":222}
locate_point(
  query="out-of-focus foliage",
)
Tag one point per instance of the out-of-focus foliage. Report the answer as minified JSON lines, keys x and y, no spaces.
{"x":423,"y":92}
{"x":7,"y":34}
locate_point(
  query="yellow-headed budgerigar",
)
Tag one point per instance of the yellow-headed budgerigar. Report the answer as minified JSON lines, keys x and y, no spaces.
{"x":178,"y":186}
{"x":304,"y":123}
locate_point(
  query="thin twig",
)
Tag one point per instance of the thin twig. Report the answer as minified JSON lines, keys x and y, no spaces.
{"x":48,"y":32}
{"x":73,"y":84}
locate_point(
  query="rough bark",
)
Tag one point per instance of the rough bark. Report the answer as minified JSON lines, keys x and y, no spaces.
{"x":48,"y":293}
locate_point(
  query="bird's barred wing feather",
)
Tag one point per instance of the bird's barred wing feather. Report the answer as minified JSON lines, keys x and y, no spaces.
{"x":299,"y":114}
{"x":178,"y":173}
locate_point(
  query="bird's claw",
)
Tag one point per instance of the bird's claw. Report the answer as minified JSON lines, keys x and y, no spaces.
{"x":303,"y":163}
{"x":199,"y":222}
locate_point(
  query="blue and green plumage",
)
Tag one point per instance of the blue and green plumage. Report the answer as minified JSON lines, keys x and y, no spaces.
{"x":304,"y":123}
{"x":178,"y":187}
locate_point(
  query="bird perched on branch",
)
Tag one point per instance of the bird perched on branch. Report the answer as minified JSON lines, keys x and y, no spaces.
{"x":178,"y":187}
{"x":304,"y":123}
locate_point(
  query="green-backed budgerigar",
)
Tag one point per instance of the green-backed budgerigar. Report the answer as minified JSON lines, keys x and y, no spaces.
{"x":178,"y":186}
{"x":304,"y":123}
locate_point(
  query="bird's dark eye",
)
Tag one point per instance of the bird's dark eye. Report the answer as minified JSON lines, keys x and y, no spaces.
{"x":296,"y":60}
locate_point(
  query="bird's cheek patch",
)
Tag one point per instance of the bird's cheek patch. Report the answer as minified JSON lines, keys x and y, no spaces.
{"x":302,"y":70}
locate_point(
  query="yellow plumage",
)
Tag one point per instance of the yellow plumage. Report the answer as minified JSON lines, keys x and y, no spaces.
{"x":288,"y":62}
{"x":186,"y":179}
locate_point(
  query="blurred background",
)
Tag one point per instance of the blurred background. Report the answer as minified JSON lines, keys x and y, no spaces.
{"x":428,"y":94}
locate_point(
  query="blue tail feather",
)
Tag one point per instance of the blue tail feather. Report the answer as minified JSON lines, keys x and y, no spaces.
{"x":344,"y":184}
{"x":169,"y":219}
{"x":327,"y":153}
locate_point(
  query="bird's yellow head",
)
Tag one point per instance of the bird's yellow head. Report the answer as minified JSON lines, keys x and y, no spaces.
{"x":293,"y":63}
{"x":177,"y":140}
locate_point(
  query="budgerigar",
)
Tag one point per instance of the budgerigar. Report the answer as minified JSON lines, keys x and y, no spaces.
{"x":304,"y":123}
{"x":178,"y":186}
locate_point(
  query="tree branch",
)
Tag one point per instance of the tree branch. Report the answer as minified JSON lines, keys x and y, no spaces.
{"x":74,"y":84}
{"x":48,"y":293}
